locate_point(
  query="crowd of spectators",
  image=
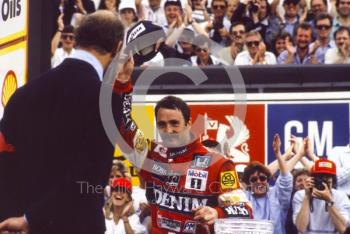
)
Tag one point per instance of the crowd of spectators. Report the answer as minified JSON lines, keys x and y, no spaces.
{"x":246,"y":32}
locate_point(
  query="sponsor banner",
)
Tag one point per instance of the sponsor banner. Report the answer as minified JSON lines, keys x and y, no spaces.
{"x":326,"y":124}
{"x":248,"y":134}
{"x":12,"y":74}
{"x":13,"y":20}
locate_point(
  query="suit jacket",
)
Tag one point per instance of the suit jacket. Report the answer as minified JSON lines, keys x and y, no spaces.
{"x":62,"y":155}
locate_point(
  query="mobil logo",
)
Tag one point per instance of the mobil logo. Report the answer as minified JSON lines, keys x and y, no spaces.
{"x":197,"y":173}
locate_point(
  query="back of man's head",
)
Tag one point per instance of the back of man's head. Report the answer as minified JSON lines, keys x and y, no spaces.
{"x":100,"y":31}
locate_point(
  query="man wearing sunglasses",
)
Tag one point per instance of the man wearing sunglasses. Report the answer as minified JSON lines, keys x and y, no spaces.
{"x":320,"y":207}
{"x":237,"y":36}
{"x":219,"y":28}
{"x":256,"y":51}
{"x":323,"y":24}
{"x":65,"y":37}
{"x":203,"y":55}
{"x":269,"y":203}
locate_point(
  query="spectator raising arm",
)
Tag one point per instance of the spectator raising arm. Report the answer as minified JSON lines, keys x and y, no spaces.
{"x":56,"y":38}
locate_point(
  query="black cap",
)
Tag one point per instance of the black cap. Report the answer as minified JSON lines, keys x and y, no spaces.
{"x":296,"y":2}
{"x":173,"y":2}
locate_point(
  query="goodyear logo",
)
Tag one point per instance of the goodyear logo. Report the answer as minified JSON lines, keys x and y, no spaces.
{"x":228,"y":180}
{"x":9,"y":87}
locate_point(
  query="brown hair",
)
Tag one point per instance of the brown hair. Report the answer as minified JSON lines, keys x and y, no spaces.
{"x":253,"y":167}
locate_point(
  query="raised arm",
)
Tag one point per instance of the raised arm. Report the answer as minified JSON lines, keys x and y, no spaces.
{"x":56,"y":38}
{"x":133,"y":142}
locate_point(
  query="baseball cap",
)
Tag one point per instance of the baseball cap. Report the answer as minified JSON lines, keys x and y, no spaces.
{"x":291,"y":1}
{"x":127,"y":4}
{"x":173,"y":2}
{"x":122,"y":183}
{"x":324,"y":166}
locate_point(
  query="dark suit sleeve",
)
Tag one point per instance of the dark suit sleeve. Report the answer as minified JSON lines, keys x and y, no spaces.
{"x":80,"y":191}
{"x":9,"y":175}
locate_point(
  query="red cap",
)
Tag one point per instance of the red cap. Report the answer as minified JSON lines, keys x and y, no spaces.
{"x":324,"y":166}
{"x":122,"y":183}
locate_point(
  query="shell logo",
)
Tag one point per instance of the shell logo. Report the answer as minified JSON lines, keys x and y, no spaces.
{"x":9,"y":86}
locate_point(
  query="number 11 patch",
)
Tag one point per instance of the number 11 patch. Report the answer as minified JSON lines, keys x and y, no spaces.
{"x":228,"y":180}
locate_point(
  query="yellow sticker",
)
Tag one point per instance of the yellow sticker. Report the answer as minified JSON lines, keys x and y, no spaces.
{"x":228,"y":180}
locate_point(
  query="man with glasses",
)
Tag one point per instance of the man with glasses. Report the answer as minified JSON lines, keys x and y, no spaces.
{"x":65,"y":36}
{"x":203,"y":56}
{"x":237,"y":35}
{"x":320,"y":207}
{"x":220,"y":26}
{"x":256,"y":53}
{"x":323,"y":23}
{"x":318,"y":7}
{"x":269,"y":203}
{"x":340,"y":54}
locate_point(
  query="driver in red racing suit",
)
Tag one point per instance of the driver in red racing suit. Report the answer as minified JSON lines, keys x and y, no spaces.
{"x":187,"y":187}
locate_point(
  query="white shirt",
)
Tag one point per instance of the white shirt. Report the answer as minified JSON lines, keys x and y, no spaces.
{"x":215,"y":61}
{"x":60,"y":55}
{"x":340,"y":155}
{"x":319,"y":220}
{"x":134,"y":221}
{"x":91,"y":59}
{"x":243,"y":58}
{"x":157,"y":17}
{"x":332,"y":56}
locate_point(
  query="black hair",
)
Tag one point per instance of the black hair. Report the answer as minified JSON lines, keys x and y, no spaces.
{"x":323,"y":16}
{"x":102,"y":5}
{"x":174,"y":103}
{"x":341,"y":29}
{"x":235,"y":24}
{"x":212,"y":2}
{"x":68,"y":29}
{"x":304,"y":26}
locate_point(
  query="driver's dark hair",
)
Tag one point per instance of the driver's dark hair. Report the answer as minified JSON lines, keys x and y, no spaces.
{"x":174,"y":103}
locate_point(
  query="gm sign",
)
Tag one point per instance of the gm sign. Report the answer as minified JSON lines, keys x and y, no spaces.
{"x":326,"y":125}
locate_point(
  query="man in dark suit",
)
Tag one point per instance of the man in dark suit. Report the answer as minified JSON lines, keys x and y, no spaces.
{"x":55,"y":156}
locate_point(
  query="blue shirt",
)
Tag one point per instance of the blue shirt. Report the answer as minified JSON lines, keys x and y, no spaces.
{"x":321,"y":51}
{"x":89,"y":58}
{"x":296,"y":58}
{"x":274,"y":205}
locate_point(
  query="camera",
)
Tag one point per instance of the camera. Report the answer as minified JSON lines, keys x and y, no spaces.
{"x":319,"y":183}
{"x":253,"y":8}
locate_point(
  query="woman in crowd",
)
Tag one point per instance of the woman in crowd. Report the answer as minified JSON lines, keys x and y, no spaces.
{"x":279,"y":44}
{"x":119,"y":212}
{"x":269,"y":203}
{"x":111,"y":5}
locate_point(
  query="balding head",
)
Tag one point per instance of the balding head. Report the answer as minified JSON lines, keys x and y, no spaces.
{"x":101,"y":31}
